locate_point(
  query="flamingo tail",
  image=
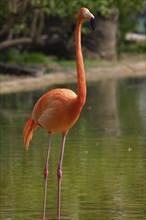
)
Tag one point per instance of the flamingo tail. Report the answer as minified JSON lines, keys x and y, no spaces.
{"x":28,"y":133}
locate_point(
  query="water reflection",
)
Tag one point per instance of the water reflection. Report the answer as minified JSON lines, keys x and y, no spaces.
{"x":106,"y":109}
{"x":104,"y":161}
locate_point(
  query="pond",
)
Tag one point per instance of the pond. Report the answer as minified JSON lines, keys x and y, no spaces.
{"x":104,"y":160}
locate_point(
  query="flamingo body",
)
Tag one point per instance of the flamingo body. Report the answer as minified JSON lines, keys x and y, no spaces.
{"x":56,"y":111}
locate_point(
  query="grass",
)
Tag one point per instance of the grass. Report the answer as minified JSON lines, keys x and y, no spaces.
{"x":89,"y":63}
{"x":34,"y":59}
{"x":14,"y":56}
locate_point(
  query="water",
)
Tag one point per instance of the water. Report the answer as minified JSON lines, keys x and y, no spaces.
{"x":104,"y":161}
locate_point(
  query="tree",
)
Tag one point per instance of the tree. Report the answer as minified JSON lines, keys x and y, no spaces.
{"x":112,"y":22}
{"x":22,"y":22}
{"x":32,"y":22}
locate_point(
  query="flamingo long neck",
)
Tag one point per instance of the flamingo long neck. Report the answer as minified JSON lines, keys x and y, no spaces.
{"x":81,"y":95}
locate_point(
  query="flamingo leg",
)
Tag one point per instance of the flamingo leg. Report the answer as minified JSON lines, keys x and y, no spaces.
{"x":46,"y":173}
{"x":59,"y":174}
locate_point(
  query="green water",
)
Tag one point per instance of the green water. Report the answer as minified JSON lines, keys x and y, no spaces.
{"x":104,"y":172}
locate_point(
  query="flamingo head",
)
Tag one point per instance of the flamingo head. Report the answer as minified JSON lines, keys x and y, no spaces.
{"x":84,"y":13}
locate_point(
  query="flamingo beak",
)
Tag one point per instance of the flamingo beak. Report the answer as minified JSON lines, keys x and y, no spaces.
{"x":93,"y":23}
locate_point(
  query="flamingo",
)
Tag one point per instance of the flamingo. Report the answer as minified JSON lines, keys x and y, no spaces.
{"x":59,"y":109}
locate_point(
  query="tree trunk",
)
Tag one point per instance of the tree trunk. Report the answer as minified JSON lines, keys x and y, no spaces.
{"x":103,"y":43}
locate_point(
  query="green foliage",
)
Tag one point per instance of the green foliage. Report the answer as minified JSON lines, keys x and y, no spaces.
{"x":25,"y":58}
{"x":89,"y":63}
{"x":19,"y":16}
{"x":64,"y":8}
{"x":126,"y":8}
{"x":133,"y":47}
{"x":69,"y":8}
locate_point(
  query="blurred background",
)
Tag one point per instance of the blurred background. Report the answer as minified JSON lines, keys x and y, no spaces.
{"x":30,"y":31}
{"x":105,"y":154}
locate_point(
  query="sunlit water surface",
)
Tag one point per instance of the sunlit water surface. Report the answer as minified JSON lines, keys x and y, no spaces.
{"x":104,"y":161}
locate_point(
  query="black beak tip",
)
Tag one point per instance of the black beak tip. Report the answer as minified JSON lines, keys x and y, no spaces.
{"x":93,"y":23}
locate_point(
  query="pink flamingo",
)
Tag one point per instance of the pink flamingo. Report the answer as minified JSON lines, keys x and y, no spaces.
{"x":59,"y":109}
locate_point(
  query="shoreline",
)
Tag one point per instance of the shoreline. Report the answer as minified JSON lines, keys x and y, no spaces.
{"x":117,"y":71}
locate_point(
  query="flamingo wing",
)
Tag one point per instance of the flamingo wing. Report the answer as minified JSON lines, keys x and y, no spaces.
{"x":54,"y":110}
